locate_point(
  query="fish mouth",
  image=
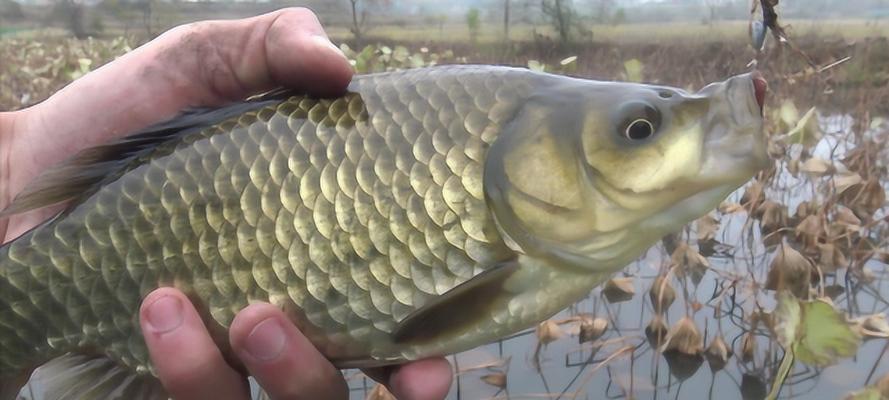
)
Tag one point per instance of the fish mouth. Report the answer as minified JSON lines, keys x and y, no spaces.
{"x":760,"y":88}
{"x":735,"y":144}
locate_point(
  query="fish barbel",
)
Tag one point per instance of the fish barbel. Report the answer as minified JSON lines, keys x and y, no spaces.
{"x":422,"y":213}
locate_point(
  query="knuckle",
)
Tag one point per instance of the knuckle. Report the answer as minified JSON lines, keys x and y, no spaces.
{"x":175,"y":382}
{"x":299,"y":12}
{"x":194,"y":30}
{"x":183,"y":32}
{"x":182,"y":376}
{"x":199,"y":45}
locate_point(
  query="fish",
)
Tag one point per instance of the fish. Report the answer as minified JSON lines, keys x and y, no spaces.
{"x":424,"y":212}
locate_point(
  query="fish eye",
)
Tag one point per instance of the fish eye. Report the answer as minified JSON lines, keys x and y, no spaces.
{"x":639,"y":129}
{"x":638,"y":121}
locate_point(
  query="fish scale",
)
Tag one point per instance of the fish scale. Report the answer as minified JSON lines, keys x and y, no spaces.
{"x":353,"y":212}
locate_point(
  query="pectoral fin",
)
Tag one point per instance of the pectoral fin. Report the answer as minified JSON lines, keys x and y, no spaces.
{"x":457,"y":309}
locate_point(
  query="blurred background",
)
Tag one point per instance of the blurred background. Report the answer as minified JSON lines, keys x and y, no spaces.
{"x":696,"y":316}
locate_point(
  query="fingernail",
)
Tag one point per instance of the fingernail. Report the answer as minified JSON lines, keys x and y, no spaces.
{"x":266,"y":341}
{"x":164,"y":314}
{"x":325,"y":43}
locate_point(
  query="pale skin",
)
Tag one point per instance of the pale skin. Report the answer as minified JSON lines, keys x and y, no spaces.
{"x":201,"y":64}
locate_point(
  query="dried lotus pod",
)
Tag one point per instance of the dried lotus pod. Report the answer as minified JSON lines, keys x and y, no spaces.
{"x":803,"y":210}
{"x":748,"y":347}
{"x":864,"y":198}
{"x":753,"y":195}
{"x":706,"y":227}
{"x":817,"y":167}
{"x":717,"y":353}
{"x":656,"y":331}
{"x":845,"y":216}
{"x":831,"y":258}
{"x":379,"y":392}
{"x":773,"y":216}
{"x":791,"y":271}
{"x":592,"y":329}
{"x":729,"y":208}
{"x":548,"y":331}
{"x":661,"y":294}
{"x":874,"y":325}
{"x":808,"y":230}
{"x":619,"y":289}
{"x":883,"y":386}
{"x":845,"y":180}
{"x":865,"y":275}
{"x":497,"y":379}
{"x":685,"y":338}
{"x":689,"y":262}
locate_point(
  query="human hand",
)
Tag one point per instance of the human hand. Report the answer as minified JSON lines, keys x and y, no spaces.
{"x":201,"y":64}
{"x":277,"y":355}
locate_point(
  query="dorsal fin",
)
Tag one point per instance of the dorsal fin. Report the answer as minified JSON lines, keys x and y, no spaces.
{"x":82,"y":174}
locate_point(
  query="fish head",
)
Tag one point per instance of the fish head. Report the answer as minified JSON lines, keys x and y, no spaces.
{"x":642,"y":161}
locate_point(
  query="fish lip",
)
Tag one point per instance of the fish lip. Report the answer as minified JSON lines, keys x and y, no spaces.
{"x":755,"y":95}
{"x":760,"y":89}
{"x":737,"y":151}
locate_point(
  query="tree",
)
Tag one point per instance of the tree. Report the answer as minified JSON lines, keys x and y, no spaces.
{"x":359,"y":15}
{"x":71,"y":13}
{"x":620,"y":17}
{"x":561,"y":16}
{"x":473,"y":23}
{"x":358,"y":21}
{"x":11,"y":10}
{"x":441,"y":19}
{"x":146,"y":7}
{"x":436,"y":20}
{"x":506,"y":19}
{"x":712,"y":6}
{"x":603,"y":10}
{"x":121,"y":11}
